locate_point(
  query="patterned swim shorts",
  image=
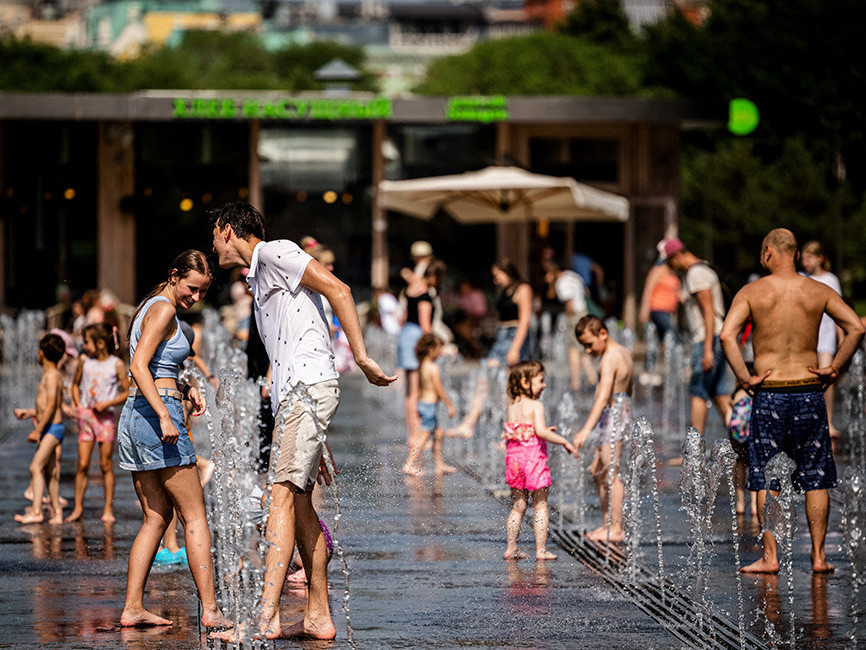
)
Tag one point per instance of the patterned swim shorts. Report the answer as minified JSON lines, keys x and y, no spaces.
{"x":791,"y":417}
{"x":93,"y":426}
{"x":615,"y":420}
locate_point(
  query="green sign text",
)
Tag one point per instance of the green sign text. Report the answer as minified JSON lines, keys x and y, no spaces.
{"x":477,"y":109}
{"x":283,"y":109}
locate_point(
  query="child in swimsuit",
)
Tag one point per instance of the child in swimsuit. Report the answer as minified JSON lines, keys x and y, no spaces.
{"x":430,"y":393}
{"x":47,"y":432}
{"x":611,"y":411}
{"x":526,"y":472}
{"x":738,"y":432}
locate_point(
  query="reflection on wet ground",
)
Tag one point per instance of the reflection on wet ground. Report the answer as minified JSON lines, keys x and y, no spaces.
{"x":425,"y":559}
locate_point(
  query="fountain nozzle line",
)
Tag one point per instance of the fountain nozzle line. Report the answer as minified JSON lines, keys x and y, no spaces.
{"x":673,"y":610}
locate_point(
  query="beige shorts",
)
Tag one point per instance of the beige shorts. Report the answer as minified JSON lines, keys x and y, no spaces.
{"x":300,"y":450}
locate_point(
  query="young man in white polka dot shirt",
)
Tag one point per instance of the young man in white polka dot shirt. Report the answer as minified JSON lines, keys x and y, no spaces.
{"x":287,"y":286}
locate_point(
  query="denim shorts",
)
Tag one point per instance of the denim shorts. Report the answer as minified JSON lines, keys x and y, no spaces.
{"x":139,"y":437}
{"x":428,"y":411}
{"x":711,"y":383}
{"x":406,"y":342}
{"x":504,"y":338}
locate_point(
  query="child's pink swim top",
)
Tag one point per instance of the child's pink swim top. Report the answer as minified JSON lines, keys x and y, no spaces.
{"x":519,"y":431}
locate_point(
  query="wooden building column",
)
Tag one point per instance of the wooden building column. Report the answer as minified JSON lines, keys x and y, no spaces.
{"x":254,"y":181}
{"x":2,"y":234}
{"x":115,"y":238}
{"x":512,"y":239}
{"x":379,"y":265}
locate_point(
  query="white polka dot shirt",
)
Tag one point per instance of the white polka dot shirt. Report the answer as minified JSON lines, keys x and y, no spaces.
{"x":290,"y":318}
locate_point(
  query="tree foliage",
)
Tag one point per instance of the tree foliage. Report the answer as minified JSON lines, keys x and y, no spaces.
{"x":805,"y":166}
{"x":600,"y":21}
{"x":539,"y":64}
{"x":202,"y":60}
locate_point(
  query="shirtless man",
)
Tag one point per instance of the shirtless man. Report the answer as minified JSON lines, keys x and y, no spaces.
{"x":612,"y":411}
{"x":788,"y":412}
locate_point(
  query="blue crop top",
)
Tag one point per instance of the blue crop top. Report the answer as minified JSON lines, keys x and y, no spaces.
{"x":169,"y":355}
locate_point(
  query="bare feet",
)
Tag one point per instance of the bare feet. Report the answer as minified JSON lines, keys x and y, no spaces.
{"x":545,"y":555}
{"x":822,"y":566}
{"x":411,"y":470}
{"x":268,"y":629}
{"x":30,"y":518}
{"x":514,"y":555}
{"x":600,"y":534}
{"x":445,"y":469}
{"x":56,"y":518}
{"x":108,"y":517}
{"x":141,"y":618}
{"x":28,"y":494}
{"x":75,"y":516}
{"x":311,"y":630}
{"x":215,"y":619}
{"x":675,"y":462}
{"x":762,"y":566}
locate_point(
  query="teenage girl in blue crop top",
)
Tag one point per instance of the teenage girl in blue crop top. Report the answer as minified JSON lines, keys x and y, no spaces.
{"x":154,"y":444}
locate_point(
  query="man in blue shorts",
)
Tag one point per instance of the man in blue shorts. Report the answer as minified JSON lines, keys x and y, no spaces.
{"x":705,"y":311}
{"x":788,"y":411}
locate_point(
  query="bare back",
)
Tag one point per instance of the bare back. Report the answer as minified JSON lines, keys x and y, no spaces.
{"x":617,"y":360}
{"x":428,"y":377}
{"x":49,"y":396}
{"x":786,"y":311}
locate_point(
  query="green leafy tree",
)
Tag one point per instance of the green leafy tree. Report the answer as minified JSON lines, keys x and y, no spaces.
{"x":800,"y":61}
{"x":202,"y":60}
{"x":538,"y":64}
{"x":33,"y":67}
{"x":600,"y":21}
{"x":805,"y":165}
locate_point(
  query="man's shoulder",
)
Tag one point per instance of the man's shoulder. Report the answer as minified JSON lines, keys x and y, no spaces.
{"x":279,"y":250}
{"x":701,"y":270}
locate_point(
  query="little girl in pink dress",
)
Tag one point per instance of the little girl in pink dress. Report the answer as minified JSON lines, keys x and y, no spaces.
{"x":526,"y":472}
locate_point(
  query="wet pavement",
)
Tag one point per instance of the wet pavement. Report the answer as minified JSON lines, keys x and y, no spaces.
{"x":424,"y":554}
{"x":424,"y":557}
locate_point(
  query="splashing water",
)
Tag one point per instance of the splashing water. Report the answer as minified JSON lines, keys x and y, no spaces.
{"x":780,"y":519}
{"x":239,"y":549}
{"x":699,"y":484}
{"x":19,"y":372}
{"x":853,"y":528}
{"x":640,"y":469}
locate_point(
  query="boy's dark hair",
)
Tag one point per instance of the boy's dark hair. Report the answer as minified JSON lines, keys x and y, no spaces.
{"x":244,"y":219}
{"x":427,"y":343}
{"x":53,"y":348}
{"x":592,"y":323}
{"x":101,"y":332}
{"x":523,"y":370}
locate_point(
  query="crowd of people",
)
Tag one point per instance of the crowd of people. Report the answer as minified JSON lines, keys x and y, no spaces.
{"x":786,"y":336}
